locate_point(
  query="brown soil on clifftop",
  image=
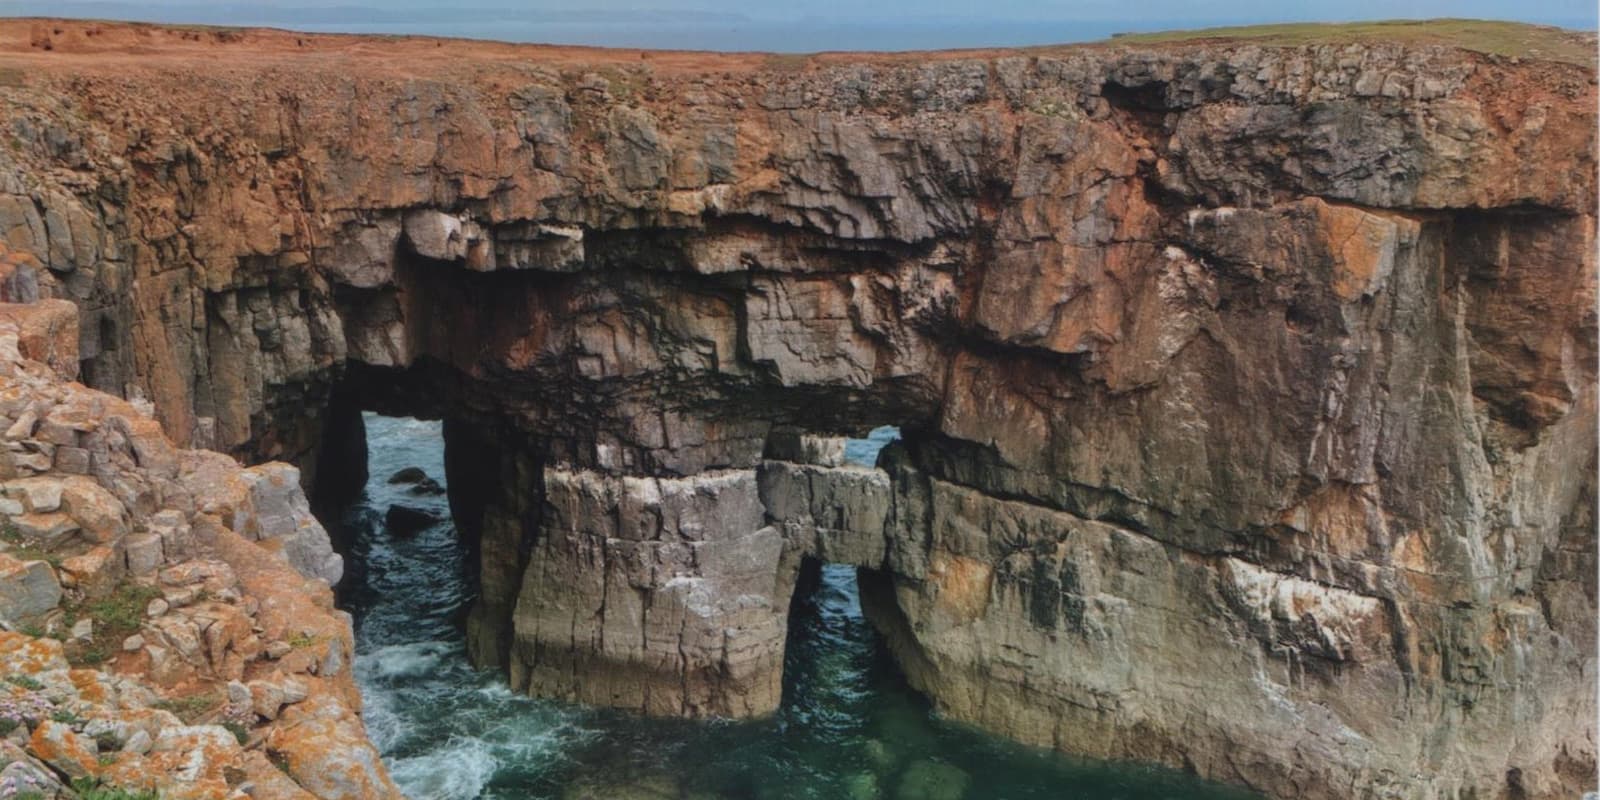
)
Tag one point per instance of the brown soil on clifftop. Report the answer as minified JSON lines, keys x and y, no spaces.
{"x":33,"y":42}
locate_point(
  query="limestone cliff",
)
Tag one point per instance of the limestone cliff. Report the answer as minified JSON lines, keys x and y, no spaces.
{"x":1248,"y":391}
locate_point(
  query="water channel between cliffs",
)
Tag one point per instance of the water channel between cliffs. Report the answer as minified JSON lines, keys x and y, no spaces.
{"x":848,"y":728}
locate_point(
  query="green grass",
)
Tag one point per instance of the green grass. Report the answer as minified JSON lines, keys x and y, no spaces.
{"x":24,"y":682}
{"x":116,"y":617}
{"x":93,"y":789}
{"x":66,"y":717}
{"x":1484,"y":36}
{"x":188,"y":708}
{"x":280,"y":761}
{"x":123,"y":611}
{"x":18,"y":546}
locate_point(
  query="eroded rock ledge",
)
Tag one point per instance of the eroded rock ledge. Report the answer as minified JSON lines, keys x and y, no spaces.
{"x":1248,"y":392}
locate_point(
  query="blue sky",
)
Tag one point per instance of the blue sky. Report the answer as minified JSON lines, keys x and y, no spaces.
{"x":790,"y":25}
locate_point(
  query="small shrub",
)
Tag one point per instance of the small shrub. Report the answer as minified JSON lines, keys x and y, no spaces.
{"x":24,"y":682}
{"x":302,"y":639}
{"x":238,"y":730}
{"x":27,"y":709}
{"x":24,"y":785}
{"x":65,"y":717}
{"x":116,"y":617}
{"x":93,"y":789}
{"x":188,"y":708}
{"x":123,"y":611}
{"x":18,"y":546}
{"x":92,"y":655}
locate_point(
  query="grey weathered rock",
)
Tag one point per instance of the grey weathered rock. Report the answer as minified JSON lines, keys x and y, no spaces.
{"x":27,"y":773}
{"x":28,"y":590}
{"x":265,"y":503}
{"x":67,"y":751}
{"x":144,"y":554}
{"x":41,"y":495}
{"x":48,"y":530}
{"x":139,"y":742}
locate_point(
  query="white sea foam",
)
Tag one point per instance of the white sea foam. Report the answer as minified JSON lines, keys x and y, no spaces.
{"x":413,"y":660}
{"x":458,"y":770}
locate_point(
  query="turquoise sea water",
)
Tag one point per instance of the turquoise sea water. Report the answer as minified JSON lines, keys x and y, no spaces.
{"x":849,"y":727}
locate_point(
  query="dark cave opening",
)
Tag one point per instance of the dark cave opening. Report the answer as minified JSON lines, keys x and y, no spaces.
{"x":350,"y":470}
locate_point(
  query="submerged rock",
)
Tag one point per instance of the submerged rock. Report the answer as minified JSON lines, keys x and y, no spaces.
{"x":407,"y":520}
{"x":931,"y":780}
{"x":409,"y":475}
{"x":654,"y":787}
{"x":879,"y":755}
{"x":427,"y":487}
{"x":862,"y":786}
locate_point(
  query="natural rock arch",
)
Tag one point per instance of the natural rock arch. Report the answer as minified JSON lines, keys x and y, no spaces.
{"x":1249,"y":392}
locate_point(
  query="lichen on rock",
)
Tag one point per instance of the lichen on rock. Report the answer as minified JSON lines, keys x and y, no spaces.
{"x":165,"y":588}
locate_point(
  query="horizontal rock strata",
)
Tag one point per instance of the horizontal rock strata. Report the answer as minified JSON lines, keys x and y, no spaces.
{"x":1248,"y":392}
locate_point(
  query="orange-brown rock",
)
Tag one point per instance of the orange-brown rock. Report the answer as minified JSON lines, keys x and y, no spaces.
{"x":1248,"y":390}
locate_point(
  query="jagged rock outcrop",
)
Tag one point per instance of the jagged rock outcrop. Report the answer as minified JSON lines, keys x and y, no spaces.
{"x":1248,"y":391}
{"x":138,"y":580}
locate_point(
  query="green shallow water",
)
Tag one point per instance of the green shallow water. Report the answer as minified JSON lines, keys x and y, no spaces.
{"x":849,"y":727}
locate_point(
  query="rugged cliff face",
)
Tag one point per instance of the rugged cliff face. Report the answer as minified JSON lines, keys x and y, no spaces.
{"x":1248,"y":392}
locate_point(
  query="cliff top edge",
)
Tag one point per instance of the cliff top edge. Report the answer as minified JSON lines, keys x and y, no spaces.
{"x":46,"y":43}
